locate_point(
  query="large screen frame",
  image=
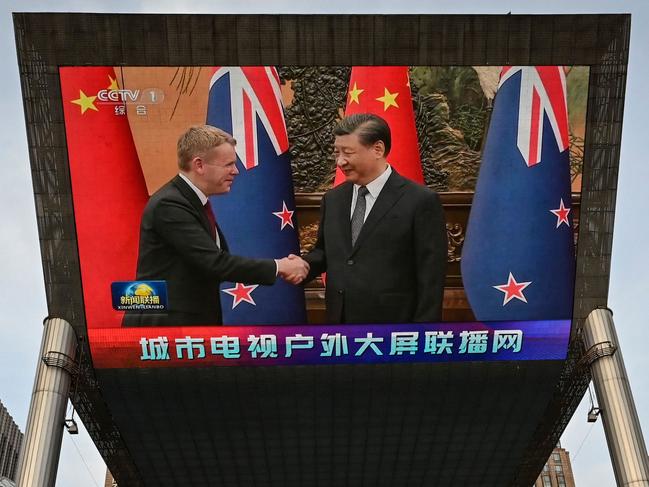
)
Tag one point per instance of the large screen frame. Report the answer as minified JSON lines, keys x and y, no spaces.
{"x":599,"y":41}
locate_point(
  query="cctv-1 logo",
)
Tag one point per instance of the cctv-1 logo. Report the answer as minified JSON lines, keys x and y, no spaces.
{"x":123,"y":96}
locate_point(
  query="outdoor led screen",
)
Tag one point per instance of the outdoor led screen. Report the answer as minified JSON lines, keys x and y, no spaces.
{"x":161,"y":289}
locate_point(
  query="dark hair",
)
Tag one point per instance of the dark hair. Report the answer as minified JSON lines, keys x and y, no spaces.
{"x":369,"y":127}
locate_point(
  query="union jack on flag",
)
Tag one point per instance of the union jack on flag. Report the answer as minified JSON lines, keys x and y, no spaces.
{"x":257,"y":215}
{"x":254,"y":94}
{"x":518,"y":258}
{"x":543,"y":93}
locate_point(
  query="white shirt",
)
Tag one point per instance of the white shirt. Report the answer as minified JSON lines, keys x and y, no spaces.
{"x":374,"y":189}
{"x":203,"y":198}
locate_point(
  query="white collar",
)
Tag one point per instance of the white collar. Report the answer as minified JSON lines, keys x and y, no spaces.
{"x":199,"y":193}
{"x":374,"y":187}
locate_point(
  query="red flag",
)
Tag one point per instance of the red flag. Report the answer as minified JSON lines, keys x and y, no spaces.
{"x":108,"y":187}
{"x":385,"y":91}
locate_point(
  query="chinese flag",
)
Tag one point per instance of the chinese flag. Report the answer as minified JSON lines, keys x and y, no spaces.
{"x":385,"y":91}
{"x":108,"y":188}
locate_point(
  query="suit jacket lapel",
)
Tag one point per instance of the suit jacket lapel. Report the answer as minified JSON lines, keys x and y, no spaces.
{"x":193,"y":199}
{"x":342,"y":215}
{"x":389,"y":195}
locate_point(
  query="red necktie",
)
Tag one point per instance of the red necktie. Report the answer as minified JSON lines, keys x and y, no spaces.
{"x":207,"y":207}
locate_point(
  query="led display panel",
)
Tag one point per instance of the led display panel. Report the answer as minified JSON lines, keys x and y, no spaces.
{"x":190,"y":238}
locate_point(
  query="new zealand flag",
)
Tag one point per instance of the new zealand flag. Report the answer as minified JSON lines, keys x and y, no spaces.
{"x":518,"y":260}
{"x":257,"y":217}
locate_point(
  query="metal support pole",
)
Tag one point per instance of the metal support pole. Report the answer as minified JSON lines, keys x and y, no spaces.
{"x":621,"y":425}
{"x":41,"y":447}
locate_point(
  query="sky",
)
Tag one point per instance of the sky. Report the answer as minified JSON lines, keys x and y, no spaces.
{"x":22,"y":294}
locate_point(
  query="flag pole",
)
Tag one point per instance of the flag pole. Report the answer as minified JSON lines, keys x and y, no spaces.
{"x":626,"y":444}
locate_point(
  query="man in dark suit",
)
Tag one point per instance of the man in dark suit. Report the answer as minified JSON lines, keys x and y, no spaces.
{"x":181,"y":243}
{"x":382,"y":238}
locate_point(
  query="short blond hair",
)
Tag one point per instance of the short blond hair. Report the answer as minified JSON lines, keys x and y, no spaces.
{"x":197,"y":140}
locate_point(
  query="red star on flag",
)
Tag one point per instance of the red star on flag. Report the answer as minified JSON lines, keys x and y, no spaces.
{"x":513,"y":289}
{"x":285,"y":215}
{"x":562,"y":214}
{"x":241,"y":292}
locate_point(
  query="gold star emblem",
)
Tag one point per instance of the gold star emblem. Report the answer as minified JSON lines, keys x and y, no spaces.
{"x":388,"y":99}
{"x":113,"y":84}
{"x":354,"y":94}
{"x":85,"y":102}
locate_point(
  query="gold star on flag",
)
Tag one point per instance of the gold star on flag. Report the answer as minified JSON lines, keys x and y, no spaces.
{"x":354,"y":94}
{"x":388,"y":99}
{"x":85,"y":102}
{"x":113,"y":84}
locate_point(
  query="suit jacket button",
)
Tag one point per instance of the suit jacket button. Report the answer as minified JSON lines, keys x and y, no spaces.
{"x":350,"y":262}
{"x":340,"y":291}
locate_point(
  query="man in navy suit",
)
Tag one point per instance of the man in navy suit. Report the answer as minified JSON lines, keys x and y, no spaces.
{"x":382,"y":238}
{"x":181,"y":243}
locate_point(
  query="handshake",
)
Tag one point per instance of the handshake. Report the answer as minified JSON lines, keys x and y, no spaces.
{"x":292,"y":269}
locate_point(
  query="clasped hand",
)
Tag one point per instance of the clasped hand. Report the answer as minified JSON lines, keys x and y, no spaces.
{"x":293,"y":269}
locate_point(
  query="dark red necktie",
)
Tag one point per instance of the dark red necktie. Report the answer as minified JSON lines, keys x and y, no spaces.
{"x":210,"y":217}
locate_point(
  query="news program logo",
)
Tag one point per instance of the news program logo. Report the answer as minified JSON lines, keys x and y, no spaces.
{"x":139,"y":295}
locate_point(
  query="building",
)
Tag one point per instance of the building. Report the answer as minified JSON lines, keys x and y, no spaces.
{"x":110,"y":481}
{"x":10,"y":441}
{"x":557,"y":472}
